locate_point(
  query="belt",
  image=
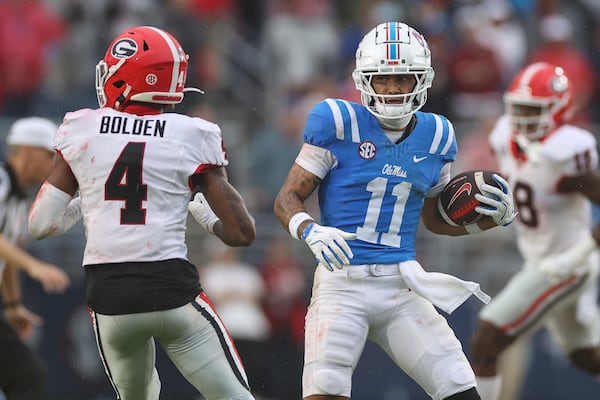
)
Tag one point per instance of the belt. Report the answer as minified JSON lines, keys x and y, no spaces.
{"x":364,"y":270}
{"x":445,"y":291}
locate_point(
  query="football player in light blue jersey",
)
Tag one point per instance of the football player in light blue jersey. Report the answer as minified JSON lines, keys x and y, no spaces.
{"x":380,"y":168}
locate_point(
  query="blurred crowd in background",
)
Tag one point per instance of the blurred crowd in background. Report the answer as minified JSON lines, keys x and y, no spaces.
{"x":263,"y":64}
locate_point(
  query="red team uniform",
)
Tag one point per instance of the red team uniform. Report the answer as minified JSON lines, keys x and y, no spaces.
{"x":549,"y":223}
{"x":551,"y":168}
{"x":135,"y":169}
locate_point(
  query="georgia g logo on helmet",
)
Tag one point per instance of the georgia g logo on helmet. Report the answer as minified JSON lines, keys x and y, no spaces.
{"x":124,"y":48}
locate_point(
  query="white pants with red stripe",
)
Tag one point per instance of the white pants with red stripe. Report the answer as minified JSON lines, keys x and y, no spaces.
{"x":193,"y":337}
{"x":568,"y":308}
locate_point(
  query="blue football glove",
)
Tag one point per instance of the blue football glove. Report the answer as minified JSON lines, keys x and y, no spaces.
{"x":329,"y":245}
{"x":498,"y":203}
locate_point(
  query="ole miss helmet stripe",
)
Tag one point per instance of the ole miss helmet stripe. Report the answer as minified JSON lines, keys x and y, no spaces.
{"x":392,"y":38}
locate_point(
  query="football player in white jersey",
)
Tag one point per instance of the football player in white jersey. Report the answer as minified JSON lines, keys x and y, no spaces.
{"x":380,"y":167}
{"x":135,"y":169}
{"x":551,"y":167}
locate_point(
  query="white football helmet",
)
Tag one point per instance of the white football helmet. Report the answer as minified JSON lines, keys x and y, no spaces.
{"x":393,"y":48}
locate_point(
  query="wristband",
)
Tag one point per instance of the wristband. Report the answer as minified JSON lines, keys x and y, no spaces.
{"x":473,"y":228}
{"x":210,"y":225}
{"x":307,"y":230}
{"x":295,"y":222}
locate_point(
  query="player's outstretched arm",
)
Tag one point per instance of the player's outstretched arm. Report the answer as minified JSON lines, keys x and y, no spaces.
{"x":222,"y":210}
{"x":52,"y":278}
{"x":587,"y":184}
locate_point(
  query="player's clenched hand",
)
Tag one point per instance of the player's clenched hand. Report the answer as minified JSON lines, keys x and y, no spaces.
{"x":497,"y":203}
{"x":52,"y":278}
{"x":329,"y":245}
{"x":559,"y":267}
{"x":201,"y":211}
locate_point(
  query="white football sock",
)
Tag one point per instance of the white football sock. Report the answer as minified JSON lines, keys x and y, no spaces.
{"x":489,"y":387}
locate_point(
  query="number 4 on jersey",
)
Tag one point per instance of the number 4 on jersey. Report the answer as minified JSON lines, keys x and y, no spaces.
{"x":125,"y":183}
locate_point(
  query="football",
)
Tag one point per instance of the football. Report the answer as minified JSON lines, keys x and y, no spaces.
{"x":457,"y":201}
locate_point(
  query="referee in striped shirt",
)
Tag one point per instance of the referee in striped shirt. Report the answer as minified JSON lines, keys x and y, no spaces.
{"x":28,"y":163}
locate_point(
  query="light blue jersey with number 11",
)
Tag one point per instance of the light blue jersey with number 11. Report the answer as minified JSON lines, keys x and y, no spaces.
{"x":377,"y":188}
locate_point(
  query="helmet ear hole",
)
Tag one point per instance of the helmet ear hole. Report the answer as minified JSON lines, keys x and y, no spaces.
{"x":146,"y":47}
{"x":118,"y":84}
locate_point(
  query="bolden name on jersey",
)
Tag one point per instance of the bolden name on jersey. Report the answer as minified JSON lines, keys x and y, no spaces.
{"x":132,"y":126}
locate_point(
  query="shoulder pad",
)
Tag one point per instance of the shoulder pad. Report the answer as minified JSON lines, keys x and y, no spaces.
{"x":206,"y":126}
{"x":437,"y":135}
{"x":568,"y":141}
{"x":75,"y":115}
{"x":334,"y":119}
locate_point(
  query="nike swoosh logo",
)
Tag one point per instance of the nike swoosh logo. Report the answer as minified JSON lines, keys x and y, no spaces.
{"x":418,"y":159}
{"x":466,"y":187}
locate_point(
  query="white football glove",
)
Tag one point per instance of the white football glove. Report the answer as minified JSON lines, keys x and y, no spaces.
{"x":572,"y":261}
{"x":329,"y":245}
{"x":201,"y":211}
{"x":498,"y":203}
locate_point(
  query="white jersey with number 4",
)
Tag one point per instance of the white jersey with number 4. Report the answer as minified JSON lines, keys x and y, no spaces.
{"x":134,"y":174}
{"x":548,"y":222}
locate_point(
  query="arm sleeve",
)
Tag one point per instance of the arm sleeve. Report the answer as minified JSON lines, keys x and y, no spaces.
{"x":53,"y":212}
{"x":442,"y":182}
{"x":316,"y":160}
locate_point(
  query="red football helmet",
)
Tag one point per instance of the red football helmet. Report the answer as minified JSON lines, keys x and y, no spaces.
{"x":539,"y":99}
{"x":143,"y":64}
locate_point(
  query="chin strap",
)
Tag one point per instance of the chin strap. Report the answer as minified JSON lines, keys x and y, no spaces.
{"x":120,"y":100}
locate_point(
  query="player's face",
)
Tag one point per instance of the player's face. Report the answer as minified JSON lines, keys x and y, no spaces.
{"x":393,"y":84}
{"x":526,"y":118}
{"x":526,"y":111}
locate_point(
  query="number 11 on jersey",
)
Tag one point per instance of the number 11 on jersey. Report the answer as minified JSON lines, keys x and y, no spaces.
{"x":377,"y":188}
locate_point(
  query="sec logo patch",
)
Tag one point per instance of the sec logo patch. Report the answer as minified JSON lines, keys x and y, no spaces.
{"x":367,"y":150}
